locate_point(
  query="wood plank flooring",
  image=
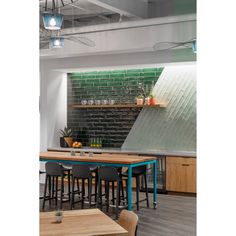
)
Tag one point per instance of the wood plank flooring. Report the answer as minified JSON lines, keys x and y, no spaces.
{"x":175,"y":215}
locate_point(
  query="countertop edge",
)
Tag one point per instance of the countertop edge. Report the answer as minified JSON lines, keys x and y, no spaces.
{"x":114,"y":150}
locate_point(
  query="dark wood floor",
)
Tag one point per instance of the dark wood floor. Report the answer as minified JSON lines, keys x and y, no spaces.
{"x":174,"y":216}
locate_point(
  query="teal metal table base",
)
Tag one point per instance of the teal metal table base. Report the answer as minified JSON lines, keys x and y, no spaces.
{"x":130,"y":166}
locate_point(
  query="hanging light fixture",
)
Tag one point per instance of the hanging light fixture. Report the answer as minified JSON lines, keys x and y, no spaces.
{"x":194,"y":46}
{"x":57,"y":42}
{"x":52,"y":20}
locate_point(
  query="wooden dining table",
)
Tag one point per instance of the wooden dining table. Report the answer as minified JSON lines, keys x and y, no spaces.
{"x":104,"y":159}
{"x":89,"y":222}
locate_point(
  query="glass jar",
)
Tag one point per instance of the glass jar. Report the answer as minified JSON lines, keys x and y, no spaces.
{"x":97,"y":102}
{"x":111,"y":102}
{"x":90,"y":102}
{"x":104,"y":102}
{"x":147,"y":101}
{"x":84,"y":102}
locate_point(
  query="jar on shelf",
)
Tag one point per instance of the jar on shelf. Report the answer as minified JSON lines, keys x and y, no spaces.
{"x":90,"y":102}
{"x":104,"y":102}
{"x":111,"y":102}
{"x":147,"y":101}
{"x":97,"y":102}
{"x":84,"y":102}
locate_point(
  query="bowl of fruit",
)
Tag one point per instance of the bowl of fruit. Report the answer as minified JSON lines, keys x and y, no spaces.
{"x":77,"y":145}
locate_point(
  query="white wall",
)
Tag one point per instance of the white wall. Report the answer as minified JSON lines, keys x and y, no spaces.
{"x":53,"y":106}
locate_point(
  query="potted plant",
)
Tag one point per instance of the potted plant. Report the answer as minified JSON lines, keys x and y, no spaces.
{"x":139,"y":99}
{"x":152,"y":100}
{"x":58,"y":216}
{"x":67,"y":136}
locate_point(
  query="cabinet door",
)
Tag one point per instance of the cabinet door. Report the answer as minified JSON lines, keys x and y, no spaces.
{"x":181,"y":174}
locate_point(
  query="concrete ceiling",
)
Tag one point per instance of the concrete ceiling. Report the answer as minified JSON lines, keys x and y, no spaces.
{"x":91,"y":12}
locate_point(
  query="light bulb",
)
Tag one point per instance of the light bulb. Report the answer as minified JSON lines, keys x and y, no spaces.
{"x":57,"y":42}
{"x":52,"y":22}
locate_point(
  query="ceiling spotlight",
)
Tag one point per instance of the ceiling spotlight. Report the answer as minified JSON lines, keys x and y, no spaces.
{"x":52,"y":21}
{"x":57,"y":42}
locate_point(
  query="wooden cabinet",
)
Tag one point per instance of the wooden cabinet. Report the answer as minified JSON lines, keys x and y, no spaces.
{"x":181,"y":174}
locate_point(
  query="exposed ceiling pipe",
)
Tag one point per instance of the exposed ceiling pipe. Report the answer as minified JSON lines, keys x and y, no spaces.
{"x":128,"y":25}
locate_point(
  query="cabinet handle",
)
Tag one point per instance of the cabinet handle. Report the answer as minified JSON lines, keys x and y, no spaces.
{"x":185,"y":164}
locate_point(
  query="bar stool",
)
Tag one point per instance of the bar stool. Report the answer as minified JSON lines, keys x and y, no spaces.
{"x":53,"y":171}
{"x":122,"y":197}
{"x":94,"y":170}
{"x":108,"y":174}
{"x":81,"y":172}
{"x":67,"y":168}
{"x":137,"y":172}
{"x":40,"y":173}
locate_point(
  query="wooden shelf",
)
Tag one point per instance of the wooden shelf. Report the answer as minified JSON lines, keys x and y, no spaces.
{"x":116,"y":106}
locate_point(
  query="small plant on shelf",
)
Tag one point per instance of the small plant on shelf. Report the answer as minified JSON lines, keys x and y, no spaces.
{"x":58,"y":216}
{"x":152,"y":99}
{"x":67,"y":136}
{"x":139,"y":99}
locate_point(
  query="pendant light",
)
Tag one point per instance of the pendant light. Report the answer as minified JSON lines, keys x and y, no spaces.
{"x":51,"y":19}
{"x":194,"y":46}
{"x":57,"y":42}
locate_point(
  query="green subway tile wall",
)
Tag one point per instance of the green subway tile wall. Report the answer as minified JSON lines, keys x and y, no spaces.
{"x":113,"y":124}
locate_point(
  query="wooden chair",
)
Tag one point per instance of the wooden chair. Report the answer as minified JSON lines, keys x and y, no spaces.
{"x":129,"y":221}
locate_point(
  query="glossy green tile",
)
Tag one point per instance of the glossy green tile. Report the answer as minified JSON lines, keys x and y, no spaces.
{"x":147,"y":74}
{"x":147,"y":70}
{"x":117,"y":76}
{"x":118,"y":71}
{"x":102,"y":84}
{"x":115,"y":83}
{"x":100,"y":76}
{"x":133,"y":74}
{"x":90,"y":73}
{"x":133,"y":71}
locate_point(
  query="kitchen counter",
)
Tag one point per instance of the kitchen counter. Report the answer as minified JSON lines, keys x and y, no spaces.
{"x":119,"y":150}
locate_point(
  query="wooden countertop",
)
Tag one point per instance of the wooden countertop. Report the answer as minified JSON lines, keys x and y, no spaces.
{"x":80,"y":222}
{"x":106,"y":158}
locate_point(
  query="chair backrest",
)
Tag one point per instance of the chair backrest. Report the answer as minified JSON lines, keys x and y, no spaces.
{"x":129,"y":221}
{"x":139,"y":170}
{"x":108,"y":173}
{"x":81,"y":171}
{"x":53,"y":168}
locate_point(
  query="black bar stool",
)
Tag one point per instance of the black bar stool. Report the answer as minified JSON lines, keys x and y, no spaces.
{"x":40,"y":173}
{"x":67,"y":168}
{"x":94,"y":171}
{"x":54,"y":171}
{"x":81,"y":172}
{"x":137,"y":172}
{"x":122,"y":197}
{"x":108,"y":174}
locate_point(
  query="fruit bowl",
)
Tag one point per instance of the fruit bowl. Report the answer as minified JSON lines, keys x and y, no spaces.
{"x":77,"y":145}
